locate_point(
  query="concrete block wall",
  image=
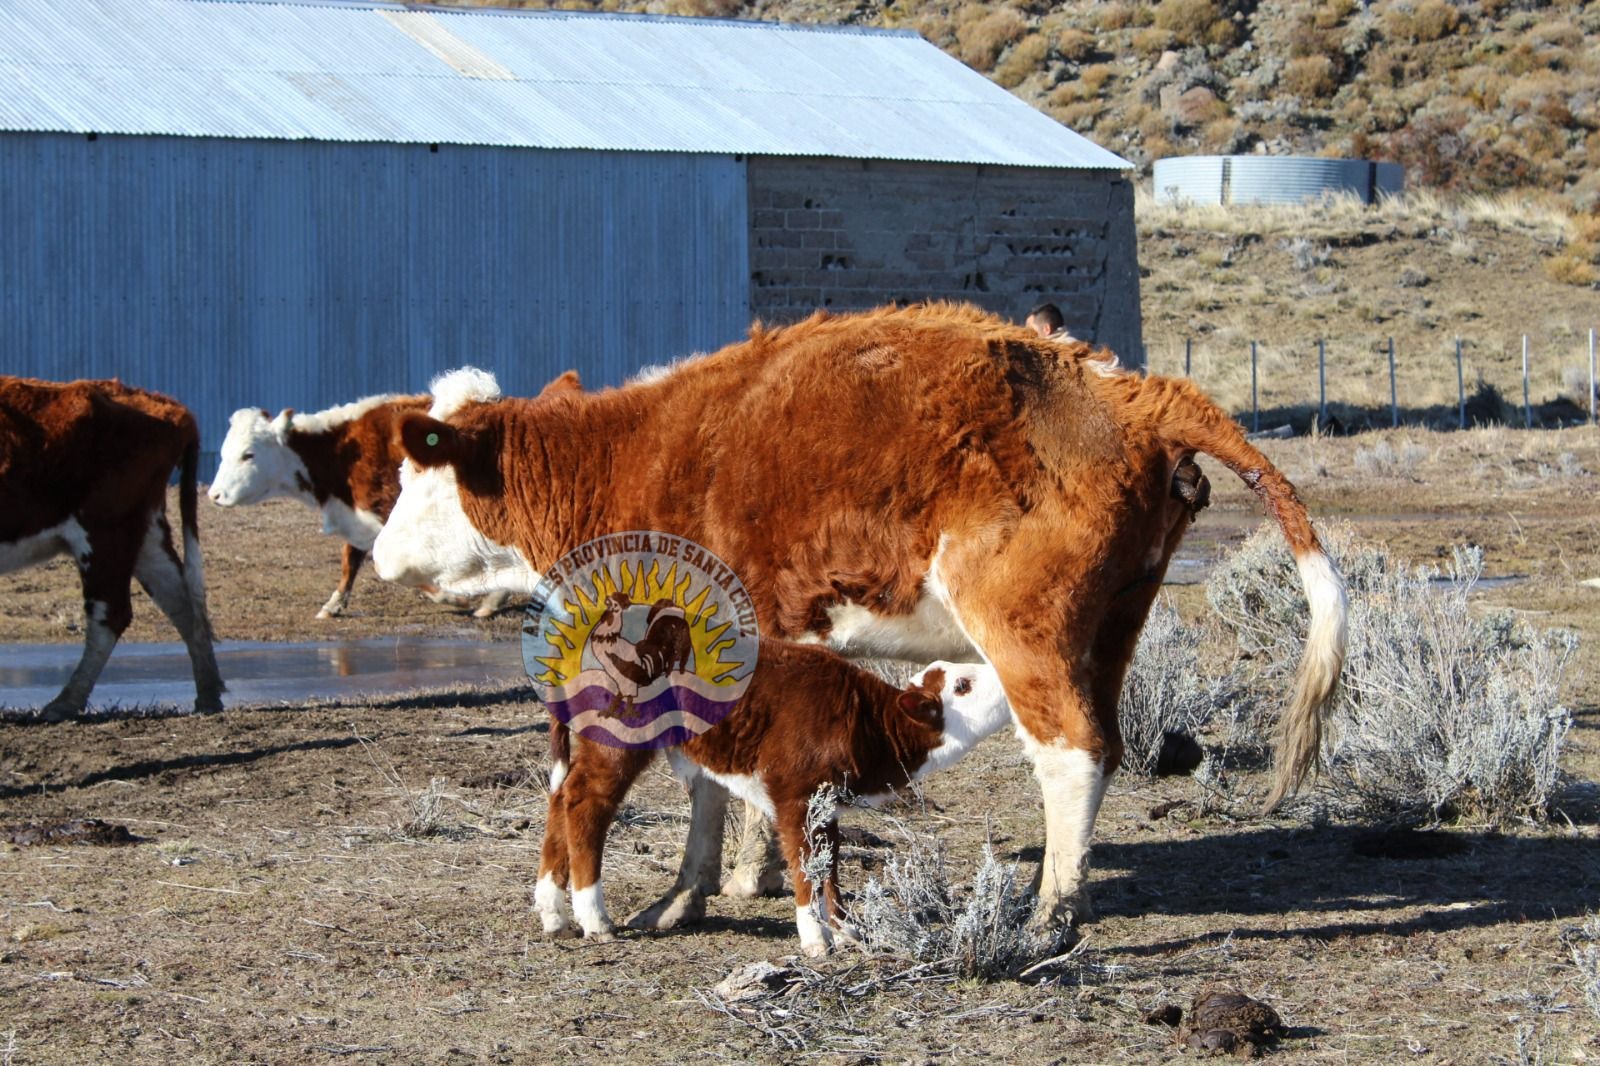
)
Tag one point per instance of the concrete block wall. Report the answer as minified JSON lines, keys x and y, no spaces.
{"x":852,"y":234}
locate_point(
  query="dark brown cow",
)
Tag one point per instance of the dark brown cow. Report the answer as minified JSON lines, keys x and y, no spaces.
{"x":343,"y":463}
{"x":84,"y":469}
{"x":920,"y":483}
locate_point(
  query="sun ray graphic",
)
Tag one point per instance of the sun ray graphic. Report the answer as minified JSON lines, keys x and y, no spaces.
{"x":566,"y":628}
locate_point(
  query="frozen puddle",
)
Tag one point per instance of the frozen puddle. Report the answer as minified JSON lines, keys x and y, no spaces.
{"x":259,"y":671}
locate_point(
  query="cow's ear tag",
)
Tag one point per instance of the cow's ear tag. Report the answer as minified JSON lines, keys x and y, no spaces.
{"x":433,"y":440}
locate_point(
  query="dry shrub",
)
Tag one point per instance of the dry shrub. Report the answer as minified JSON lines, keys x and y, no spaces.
{"x":1075,"y":45}
{"x":983,"y":39}
{"x":1223,"y":136}
{"x":917,"y":910}
{"x":1332,"y":12}
{"x":1584,"y":943}
{"x":1115,"y":17}
{"x":1421,"y":21}
{"x":704,"y":8}
{"x":1221,"y":34}
{"x":1094,"y":78}
{"x":1187,"y":20}
{"x":1442,"y":713}
{"x":1079,"y":116}
{"x":1165,"y":690}
{"x":1310,"y":77}
{"x":1569,"y":269}
{"x":1151,"y":41}
{"x":1025,"y":57}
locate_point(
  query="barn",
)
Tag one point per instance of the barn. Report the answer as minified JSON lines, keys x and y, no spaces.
{"x":297,"y":203}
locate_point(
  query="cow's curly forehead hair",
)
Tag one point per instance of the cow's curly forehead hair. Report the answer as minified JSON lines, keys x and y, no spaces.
{"x":456,"y":389}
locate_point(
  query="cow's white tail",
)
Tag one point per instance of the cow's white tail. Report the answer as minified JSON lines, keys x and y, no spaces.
{"x":194,"y":576}
{"x":1190,"y":421}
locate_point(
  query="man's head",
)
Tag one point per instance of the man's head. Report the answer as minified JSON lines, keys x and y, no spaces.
{"x":1044,"y":319}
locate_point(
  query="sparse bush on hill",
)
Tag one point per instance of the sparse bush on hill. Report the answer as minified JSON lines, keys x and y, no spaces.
{"x":982,"y":38}
{"x":1443,"y":713}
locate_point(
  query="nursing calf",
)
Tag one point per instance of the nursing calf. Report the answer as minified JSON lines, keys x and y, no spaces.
{"x":83,"y":471}
{"x":809,"y":719}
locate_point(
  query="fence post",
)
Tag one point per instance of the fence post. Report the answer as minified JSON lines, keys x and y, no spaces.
{"x":1255,"y":411}
{"x":1394,"y":403}
{"x":1461,"y":387}
{"x":1187,"y":347}
{"x":1322,"y":382}
{"x":1527,"y":411}
{"x":1592,"y":418}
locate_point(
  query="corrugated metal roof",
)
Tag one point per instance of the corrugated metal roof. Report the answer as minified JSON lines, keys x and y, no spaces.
{"x":376,"y":72}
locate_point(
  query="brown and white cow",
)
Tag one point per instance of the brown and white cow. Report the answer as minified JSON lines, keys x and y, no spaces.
{"x":343,"y":463}
{"x":84,"y":468}
{"x":809,"y":719}
{"x":920,"y":483}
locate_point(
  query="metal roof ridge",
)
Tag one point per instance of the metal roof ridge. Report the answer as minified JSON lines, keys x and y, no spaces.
{"x":557,"y":15}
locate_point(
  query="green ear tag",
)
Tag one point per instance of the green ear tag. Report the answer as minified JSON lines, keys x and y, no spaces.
{"x":433,"y":440}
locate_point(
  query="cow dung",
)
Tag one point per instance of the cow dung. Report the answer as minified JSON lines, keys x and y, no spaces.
{"x":1224,"y":1022}
{"x":1180,"y":754}
{"x":74,"y":831}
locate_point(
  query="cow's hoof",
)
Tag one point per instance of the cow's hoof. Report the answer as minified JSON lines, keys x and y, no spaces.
{"x":814,"y":951}
{"x":208,"y":705}
{"x":325,"y":614}
{"x":600,"y":936}
{"x":59,"y":710}
{"x":683,"y":907}
{"x":1059,"y":916}
{"x":562,"y":932}
{"x":749,"y":882}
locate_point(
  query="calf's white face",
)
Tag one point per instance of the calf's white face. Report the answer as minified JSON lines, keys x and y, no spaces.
{"x":257,"y":462}
{"x":974,"y":706}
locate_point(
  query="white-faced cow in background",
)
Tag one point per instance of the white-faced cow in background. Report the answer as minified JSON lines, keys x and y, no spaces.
{"x":920,"y":483}
{"x":84,"y":469}
{"x":343,"y":463}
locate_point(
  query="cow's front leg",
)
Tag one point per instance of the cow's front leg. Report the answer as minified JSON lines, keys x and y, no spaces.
{"x":701,"y":869}
{"x":758,"y":865}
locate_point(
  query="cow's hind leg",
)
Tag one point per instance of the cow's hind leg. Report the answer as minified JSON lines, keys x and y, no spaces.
{"x":700,"y":872}
{"x":349,"y":566}
{"x":757,"y":869}
{"x":105,"y":559}
{"x":161,"y":575}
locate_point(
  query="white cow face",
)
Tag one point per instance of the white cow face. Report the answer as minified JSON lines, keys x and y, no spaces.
{"x":974,"y":707}
{"x":429,"y":539}
{"x":257,"y":462}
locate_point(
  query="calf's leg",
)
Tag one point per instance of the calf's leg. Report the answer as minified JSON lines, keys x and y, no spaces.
{"x":349,"y":565}
{"x":756,"y":869}
{"x":591,"y":794}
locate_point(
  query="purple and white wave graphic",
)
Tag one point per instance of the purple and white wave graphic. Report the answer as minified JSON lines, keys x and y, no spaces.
{"x":671,"y":717}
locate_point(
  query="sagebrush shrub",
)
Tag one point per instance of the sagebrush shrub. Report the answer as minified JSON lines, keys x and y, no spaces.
{"x":1442,"y":712}
{"x":1165,"y":689}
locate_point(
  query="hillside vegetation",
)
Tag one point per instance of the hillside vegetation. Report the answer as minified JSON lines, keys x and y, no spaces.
{"x":1474,"y":95}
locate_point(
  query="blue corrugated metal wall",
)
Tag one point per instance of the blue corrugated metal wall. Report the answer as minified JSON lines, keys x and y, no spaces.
{"x":302,"y":274}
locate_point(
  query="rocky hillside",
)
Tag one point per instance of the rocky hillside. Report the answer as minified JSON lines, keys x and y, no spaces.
{"x":1471,"y":95}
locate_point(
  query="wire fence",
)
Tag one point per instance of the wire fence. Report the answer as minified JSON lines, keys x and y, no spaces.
{"x":1396,"y":388}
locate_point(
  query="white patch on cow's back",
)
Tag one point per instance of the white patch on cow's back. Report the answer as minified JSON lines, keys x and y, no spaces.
{"x":457,"y":388}
{"x":355,"y":526}
{"x":46,"y":544}
{"x":429,"y":540}
{"x":334,"y":417}
{"x":649,"y":375}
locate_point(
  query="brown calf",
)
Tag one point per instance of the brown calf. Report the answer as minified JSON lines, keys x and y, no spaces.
{"x":84,"y":469}
{"x":809,"y":719}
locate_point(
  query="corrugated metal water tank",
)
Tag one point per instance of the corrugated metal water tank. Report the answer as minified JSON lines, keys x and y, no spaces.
{"x":1272,"y":179}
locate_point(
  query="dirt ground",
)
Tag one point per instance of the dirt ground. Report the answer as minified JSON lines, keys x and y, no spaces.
{"x":352,"y":880}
